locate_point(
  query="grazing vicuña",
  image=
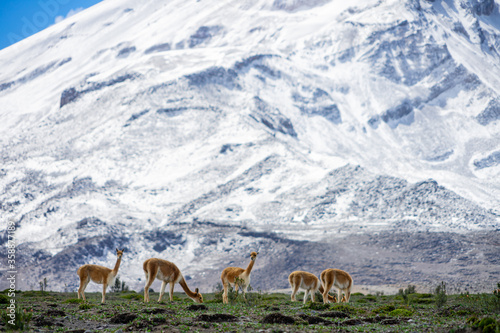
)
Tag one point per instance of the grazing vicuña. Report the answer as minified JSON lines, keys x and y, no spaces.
{"x":167,"y":272}
{"x":307,"y":281}
{"x":341,"y":280}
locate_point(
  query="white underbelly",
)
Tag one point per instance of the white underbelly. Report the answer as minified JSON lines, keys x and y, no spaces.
{"x":166,"y":278}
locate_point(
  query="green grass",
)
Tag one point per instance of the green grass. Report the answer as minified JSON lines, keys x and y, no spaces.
{"x":387,"y":313}
{"x":134,"y":296}
{"x":401,"y":313}
{"x":4,"y":299}
{"x":74,"y":301}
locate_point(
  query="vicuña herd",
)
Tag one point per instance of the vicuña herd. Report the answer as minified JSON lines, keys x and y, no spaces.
{"x":236,"y":277}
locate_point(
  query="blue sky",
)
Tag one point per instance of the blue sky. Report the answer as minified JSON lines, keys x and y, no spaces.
{"x":22,"y":18}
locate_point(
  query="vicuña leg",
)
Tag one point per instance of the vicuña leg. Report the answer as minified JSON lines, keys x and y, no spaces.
{"x":244,"y":290}
{"x":171,"y":292}
{"x":104,"y":286}
{"x":312,"y":295}
{"x":83,"y":285}
{"x":347,"y":295}
{"x":305,"y":296}
{"x":294,"y":291}
{"x":162,"y":290}
{"x":224,"y":294}
{"x":150,"y":279}
{"x":327,"y":286}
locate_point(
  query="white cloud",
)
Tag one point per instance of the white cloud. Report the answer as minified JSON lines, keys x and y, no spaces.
{"x":70,"y":13}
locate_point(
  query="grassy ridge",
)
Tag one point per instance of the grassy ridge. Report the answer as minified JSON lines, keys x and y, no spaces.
{"x":125,"y":311}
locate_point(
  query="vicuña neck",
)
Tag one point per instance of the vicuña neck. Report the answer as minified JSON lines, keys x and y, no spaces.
{"x":117,"y":265}
{"x":250,"y":266}
{"x":184,"y":286}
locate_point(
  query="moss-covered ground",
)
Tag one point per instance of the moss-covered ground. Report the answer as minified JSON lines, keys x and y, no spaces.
{"x":260,"y":312}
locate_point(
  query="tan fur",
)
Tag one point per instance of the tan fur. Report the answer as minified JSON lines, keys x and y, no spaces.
{"x":98,"y":274}
{"x":307,"y":281}
{"x":338,"y":278}
{"x":167,"y":272}
{"x":230,"y":274}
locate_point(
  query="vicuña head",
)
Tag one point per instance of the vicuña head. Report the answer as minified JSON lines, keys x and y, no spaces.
{"x":98,"y":274}
{"x":166,"y":272}
{"x":237,"y":277}
{"x":338,"y":278}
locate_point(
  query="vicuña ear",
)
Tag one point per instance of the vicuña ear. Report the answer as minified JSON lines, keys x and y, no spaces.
{"x":117,"y":250}
{"x":123,"y":250}
{"x":197,"y":290}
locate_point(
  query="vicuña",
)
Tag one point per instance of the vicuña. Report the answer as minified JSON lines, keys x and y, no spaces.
{"x":166,"y":272}
{"x":309,"y":282}
{"x":341,"y":280}
{"x":237,"y":277}
{"x":98,"y":274}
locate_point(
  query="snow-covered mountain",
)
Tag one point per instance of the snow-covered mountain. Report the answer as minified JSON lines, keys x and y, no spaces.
{"x":361,"y":134}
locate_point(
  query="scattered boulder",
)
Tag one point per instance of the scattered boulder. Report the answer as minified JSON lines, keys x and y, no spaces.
{"x":123,"y":318}
{"x":197,"y":307}
{"x":272,"y":308}
{"x":335,"y":314}
{"x":352,"y":322}
{"x":41,"y":320}
{"x":55,"y":313}
{"x":144,"y":324}
{"x":157,"y":311}
{"x":278,"y":318}
{"x":313,"y":320}
{"x":217,"y":318}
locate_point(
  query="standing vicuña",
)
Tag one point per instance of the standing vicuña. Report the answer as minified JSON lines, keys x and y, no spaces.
{"x":231,"y":274}
{"x":98,"y":274}
{"x":167,"y":272}
{"x":338,"y":278}
{"x":309,"y":282}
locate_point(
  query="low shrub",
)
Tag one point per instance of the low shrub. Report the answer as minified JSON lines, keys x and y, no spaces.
{"x":19,"y":322}
{"x":371,"y":298}
{"x":218,"y":290}
{"x":132,"y":296}
{"x":441,"y":297}
{"x":35,"y":293}
{"x":422,"y":300}
{"x":73,"y":301}
{"x":4,"y":299}
{"x":85,"y":306}
{"x":384,"y":309}
{"x":487,"y":324}
{"x":400,"y":313}
{"x":275,"y":297}
{"x":317,"y":306}
{"x":344,"y":308}
{"x":405,"y":293}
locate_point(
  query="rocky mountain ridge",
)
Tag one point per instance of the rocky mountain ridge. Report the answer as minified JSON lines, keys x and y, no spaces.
{"x":360,"y":135}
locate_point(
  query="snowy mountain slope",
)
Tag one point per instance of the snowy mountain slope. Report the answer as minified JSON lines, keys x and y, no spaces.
{"x":129,"y":118}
